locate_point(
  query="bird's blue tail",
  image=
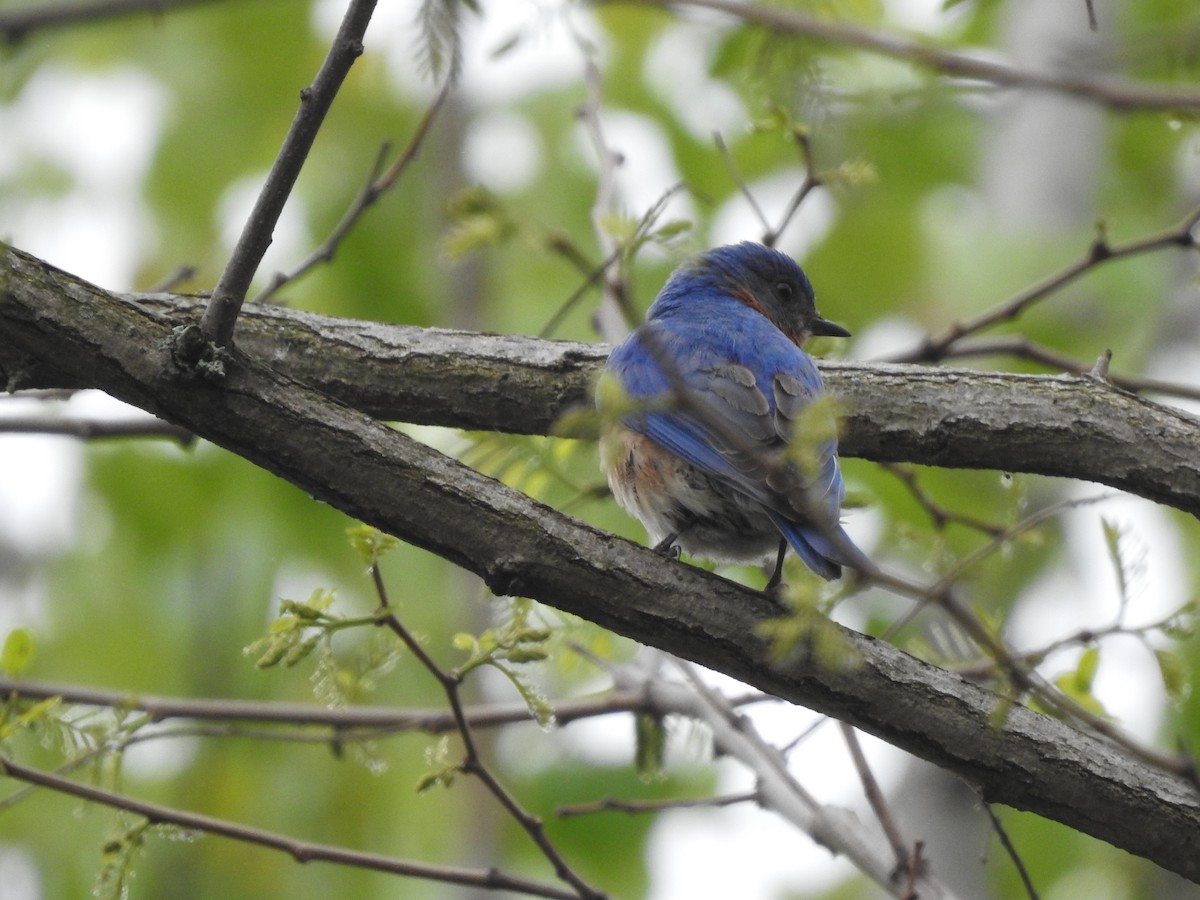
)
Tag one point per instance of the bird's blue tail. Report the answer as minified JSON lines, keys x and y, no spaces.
{"x":823,"y":552}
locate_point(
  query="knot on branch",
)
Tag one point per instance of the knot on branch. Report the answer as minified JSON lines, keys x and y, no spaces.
{"x":503,"y":577}
{"x":196,"y":356}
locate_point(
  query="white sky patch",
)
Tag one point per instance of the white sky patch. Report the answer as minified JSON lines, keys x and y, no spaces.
{"x":160,"y":759}
{"x":884,"y":337}
{"x":647,"y":170}
{"x":677,"y":70}
{"x":19,"y":874}
{"x":39,"y":487}
{"x":503,"y":151}
{"x":738,"y":851}
{"x":101,"y":138}
{"x":925,"y":16}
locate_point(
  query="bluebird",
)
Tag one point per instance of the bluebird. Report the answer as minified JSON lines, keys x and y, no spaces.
{"x":717,"y":380}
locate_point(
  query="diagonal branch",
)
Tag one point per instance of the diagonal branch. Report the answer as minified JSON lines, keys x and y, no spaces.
{"x":934,"y":347}
{"x":1118,"y":94}
{"x":518,"y":546}
{"x":315,"y":100}
{"x":301,"y":851}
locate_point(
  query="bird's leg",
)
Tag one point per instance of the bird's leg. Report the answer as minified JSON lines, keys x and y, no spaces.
{"x":667,"y":546}
{"x":777,"y":576}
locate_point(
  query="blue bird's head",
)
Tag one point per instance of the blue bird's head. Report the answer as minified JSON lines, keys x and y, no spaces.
{"x":771,"y":283}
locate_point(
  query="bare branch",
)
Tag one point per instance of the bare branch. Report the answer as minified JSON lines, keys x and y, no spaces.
{"x":375,"y":718}
{"x":301,"y":851}
{"x":1118,"y":94}
{"x":473,"y":763}
{"x":934,"y":347}
{"x":1021,"y":347}
{"x":875,"y":797}
{"x":96,"y":429}
{"x":812,"y":181}
{"x":1011,"y":850}
{"x":221,"y":314}
{"x":381,"y":181}
{"x":939,"y":515}
{"x":615,"y":316}
{"x":778,"y":790}
{"x":632,"y":807}
{"x":16,"y":24}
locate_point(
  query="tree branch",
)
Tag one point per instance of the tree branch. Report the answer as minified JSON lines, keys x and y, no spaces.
{"x":301,"y":851}
{"x":375,"y":718}
{"x":315,"y":100}
{"x":1072,"y":427}
{"x":96,"y":429}
{"x":59,"y":324}
{"x":16,"y":24}
{"x":1118,"y":94}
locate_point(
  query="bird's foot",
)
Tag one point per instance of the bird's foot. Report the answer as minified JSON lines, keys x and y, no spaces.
{"x":668,"y":548}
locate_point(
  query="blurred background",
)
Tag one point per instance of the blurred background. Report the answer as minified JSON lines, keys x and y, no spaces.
{"x":134,"y":146}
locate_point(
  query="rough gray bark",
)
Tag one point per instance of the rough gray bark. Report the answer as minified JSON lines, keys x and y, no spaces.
{"x":58,"y":327}
{"x":1069,"y":426}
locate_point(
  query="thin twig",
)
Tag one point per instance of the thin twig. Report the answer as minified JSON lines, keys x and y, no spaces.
{"x":1011,"y":850}
{"x":379,"y":718}
{"x":226,"y":302}
{"x":46,"y":394}
{"x":172,"y":280}
{"x":96,"y":429}
{"x":812,"y":181}
{"x":778,"y":790}
{"x":875,"y":797}
{"x":616,"y":314}
{"x":472,"y":763}
{"x":301,"y":851}
{"x":740,"y":181}
{"x":916,"y":867}
{"x":633,"y":807}
{"x":596,"y":275}
{"x":935,"y":347}
{"x":380,"y":182}
{"x":1021,"y":347}
{"x":938,"y":514}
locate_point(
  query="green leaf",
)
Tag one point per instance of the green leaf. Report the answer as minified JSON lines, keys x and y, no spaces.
{"x":1175,"y":674}
{"x":1085,"y":671}
{"x":1077,"y":685}
{"x":17,"y":653}
{"x":443,"y":771}
{"x":370,"y":543}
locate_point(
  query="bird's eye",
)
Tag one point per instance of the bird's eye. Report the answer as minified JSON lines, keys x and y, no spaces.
{"x":784,"y":290}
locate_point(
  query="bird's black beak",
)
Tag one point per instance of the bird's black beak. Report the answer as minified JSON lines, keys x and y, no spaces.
{"x":824,"y":328}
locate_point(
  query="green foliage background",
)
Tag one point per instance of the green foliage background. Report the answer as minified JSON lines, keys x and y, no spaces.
{"x":181,"y":555}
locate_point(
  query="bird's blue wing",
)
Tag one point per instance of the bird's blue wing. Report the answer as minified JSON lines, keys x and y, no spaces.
{"x":742,"y":393}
